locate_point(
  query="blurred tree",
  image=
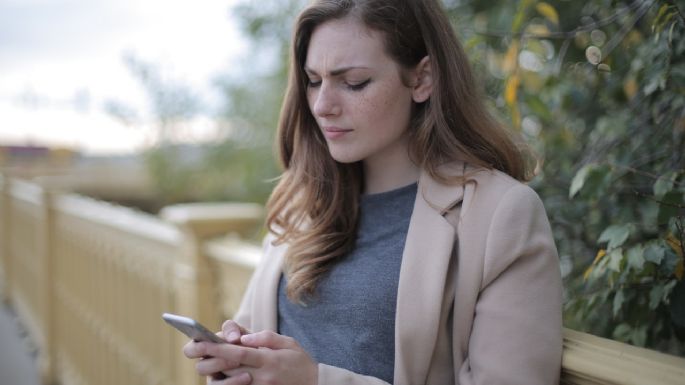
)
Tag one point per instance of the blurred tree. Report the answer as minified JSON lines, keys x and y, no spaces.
{"x":254,"y":94}
{"x":242,"y":166}
{"x":172,"y":105}
{"x":239,"y":167}
{"x":598,"y":89}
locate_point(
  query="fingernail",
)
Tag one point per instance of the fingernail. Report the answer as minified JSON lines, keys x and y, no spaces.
{"x":232,"y":336}
{"x":244,"y":378}
{"x":247,"y":338}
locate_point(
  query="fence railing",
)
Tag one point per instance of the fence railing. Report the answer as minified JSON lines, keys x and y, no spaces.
{"x":89,"y":281}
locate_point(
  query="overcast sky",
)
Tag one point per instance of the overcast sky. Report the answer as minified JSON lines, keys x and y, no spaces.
{"x":62,"y":60}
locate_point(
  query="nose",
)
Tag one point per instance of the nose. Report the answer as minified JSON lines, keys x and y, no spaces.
{"x":324,"y":101}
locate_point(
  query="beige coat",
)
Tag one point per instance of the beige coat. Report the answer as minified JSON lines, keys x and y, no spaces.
{"x":479,"y":297}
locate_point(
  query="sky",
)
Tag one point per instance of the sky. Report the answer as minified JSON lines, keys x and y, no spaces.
{"x":62,"y":62}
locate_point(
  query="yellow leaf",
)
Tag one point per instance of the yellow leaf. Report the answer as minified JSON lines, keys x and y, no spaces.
{"x":678,"y":248}
{"x":675,"y":244}
{"x":633,"y":38}
{"x":539,"y":30}
{"x":680,"y":270}
{"x":511,"y":58}
{"x":548,"y":12}
{"x":630,"y":87}
{"x":600,"y":254}
{"x":511,"y":89}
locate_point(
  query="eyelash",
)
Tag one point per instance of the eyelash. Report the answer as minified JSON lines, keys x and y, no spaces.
{"x":351,"y":87}
{"x":360,"y":86}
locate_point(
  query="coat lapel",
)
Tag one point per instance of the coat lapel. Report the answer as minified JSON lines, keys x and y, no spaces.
{"x":266,"y":308}
{"x":423,"y":274}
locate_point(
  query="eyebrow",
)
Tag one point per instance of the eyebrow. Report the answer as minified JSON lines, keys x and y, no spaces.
{"x":335,"y":72}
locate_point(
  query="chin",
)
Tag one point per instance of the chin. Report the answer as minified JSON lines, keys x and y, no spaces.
{"x":344,"y":157}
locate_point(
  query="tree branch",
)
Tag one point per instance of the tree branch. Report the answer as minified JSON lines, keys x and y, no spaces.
{"x":638,"y":193}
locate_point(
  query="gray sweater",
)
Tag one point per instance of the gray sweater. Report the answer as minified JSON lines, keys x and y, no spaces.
{"x":350,"y":322}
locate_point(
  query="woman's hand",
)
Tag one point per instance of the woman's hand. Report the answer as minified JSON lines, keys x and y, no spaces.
{"x":264,"y":358}
{"x":214,"y":366}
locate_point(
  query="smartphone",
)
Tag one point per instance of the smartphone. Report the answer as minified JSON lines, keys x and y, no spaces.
{"x":191,"y":328}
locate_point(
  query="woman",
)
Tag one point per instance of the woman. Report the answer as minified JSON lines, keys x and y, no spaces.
{"x":404,"y":248}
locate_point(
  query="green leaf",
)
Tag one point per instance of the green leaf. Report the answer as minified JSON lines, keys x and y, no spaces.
{"x":618,"y":302}
{"x":664,"y":184}
{"x":655,"y":296}
{"x":520,"y":15}
{"x":622,"y":332}
{"x":652,"y":85}
{"x":670,"y":261}
{"x":635,"y":257}
{"x":639,"y":336}
{"x":592,"y":179}
{"x":662,"y":11}
{"x":615,"y":235}
{"x":655,"y":252}
{"x":615,"y":259}
{"x":579,"y":179}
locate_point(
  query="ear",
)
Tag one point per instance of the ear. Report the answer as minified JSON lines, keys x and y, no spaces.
{"x":423,"y":81}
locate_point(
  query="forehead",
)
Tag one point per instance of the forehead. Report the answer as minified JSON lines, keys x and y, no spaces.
{"x":345,"y":42}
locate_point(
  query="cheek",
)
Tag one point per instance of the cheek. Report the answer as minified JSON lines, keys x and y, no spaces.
{"x":391,"y":108}
{"x":383,"y":104}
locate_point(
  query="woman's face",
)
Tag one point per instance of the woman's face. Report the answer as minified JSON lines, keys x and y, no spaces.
{"x":356,"y":94}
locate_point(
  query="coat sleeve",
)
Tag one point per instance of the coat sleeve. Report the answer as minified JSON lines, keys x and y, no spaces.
{"x":516,"y":336}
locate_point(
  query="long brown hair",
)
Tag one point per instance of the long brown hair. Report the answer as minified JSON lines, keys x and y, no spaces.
{"x":314,"y":207}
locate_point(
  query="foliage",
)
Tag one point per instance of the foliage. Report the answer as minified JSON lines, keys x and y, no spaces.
{"x":598,"y":89}
{"x":241,"y":167}
{"x":254,"y":93}
{"x":237,"y":168}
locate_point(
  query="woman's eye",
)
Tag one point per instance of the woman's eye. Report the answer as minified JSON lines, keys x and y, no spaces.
{"x":358,"y":86}
{"x":313,"y":84}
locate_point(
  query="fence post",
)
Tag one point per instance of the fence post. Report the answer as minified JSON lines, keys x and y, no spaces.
{"x":46,"y":251}
{"x":196,"y":285}
{"x":5,"y":265}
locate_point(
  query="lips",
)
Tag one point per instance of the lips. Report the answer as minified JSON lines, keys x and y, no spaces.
{"x":335,"y":132}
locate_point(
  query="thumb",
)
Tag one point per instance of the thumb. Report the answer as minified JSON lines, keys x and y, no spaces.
{"x":232,"y":331}
{"x":268,"y":339}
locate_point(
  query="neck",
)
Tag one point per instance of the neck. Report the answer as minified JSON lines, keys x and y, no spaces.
{"x":389,"y":172}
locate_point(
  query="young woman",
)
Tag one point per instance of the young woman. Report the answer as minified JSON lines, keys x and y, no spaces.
{"x":404,"y":248}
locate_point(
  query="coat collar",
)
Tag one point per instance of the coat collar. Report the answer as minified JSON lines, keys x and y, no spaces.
{"x":443,"y":197}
